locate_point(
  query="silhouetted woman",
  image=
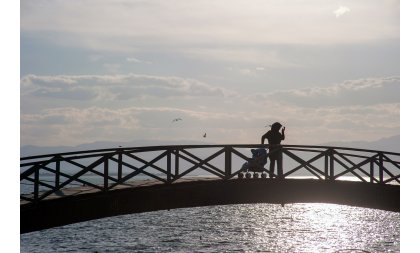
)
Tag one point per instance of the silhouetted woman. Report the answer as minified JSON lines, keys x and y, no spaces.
{"x":274,"y":137}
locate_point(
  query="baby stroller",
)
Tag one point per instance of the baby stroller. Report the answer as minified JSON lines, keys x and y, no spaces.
{"x":256,"y":164}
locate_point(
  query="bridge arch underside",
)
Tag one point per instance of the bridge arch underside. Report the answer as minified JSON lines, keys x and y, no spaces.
{"x":73,"y":209}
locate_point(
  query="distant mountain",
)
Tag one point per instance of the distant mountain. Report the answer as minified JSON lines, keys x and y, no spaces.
{"x":391,"y":144}
{"x":30,"y":150}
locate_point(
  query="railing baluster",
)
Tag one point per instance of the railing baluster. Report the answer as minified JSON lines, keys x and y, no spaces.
{"x":57,"y":174}
{"x":326,"y":166}
{"x":106,"y":174}
{"x":372,"y":171}
{"x":119,"y":166}
{"x":331,"y":151}
{"x":280,"y":173}
{"x":168,"y":168}
{"x":381,"y":168}
{"x":228,"y":162}
{"x":36,"y":184}
{"x":176,"y":162}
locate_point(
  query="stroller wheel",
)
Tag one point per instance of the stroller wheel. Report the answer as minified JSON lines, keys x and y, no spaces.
{"x":263,"y":175}
{"x":241,"y":175}
{"x":256,"y":175}
{"x":248,"y":175}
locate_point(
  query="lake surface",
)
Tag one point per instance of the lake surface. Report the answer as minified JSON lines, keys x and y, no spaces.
{"x":233,"y":228}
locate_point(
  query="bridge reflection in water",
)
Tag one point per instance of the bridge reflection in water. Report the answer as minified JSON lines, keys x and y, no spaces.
{"x":59,"y":189}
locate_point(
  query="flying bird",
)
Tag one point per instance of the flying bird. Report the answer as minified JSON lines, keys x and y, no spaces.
{"x":175,"y":120}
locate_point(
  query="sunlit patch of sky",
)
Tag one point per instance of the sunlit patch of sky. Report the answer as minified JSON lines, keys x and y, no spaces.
{"x":327,"y":70}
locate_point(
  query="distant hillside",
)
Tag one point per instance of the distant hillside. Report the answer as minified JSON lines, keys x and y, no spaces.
{"x":391,"y":144}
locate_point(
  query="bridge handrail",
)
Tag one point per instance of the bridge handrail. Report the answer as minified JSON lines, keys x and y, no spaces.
{"x":379,"y":163}
{"x":155,"y":148}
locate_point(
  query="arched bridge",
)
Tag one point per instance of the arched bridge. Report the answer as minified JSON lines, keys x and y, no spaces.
{"x":64,"y":188}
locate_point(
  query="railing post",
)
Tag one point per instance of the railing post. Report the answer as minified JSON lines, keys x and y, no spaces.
{"x":228,"y":162}
{"x":119,"y":166}
{"x":331,"y":164}
{"x":381,"y":168}
{"x":280,"y":173}
{"x":57,"y":174}
{"x":36,"y":184}
{"x":326,"y":166}
{"x":106,"y":174}
{"x":168,"y":167}
{"x":372,"y":171}
{"x":176,"y":162}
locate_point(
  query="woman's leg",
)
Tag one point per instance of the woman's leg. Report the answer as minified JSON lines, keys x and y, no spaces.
{"x":279,"y":168}
{"x":272,"y":164}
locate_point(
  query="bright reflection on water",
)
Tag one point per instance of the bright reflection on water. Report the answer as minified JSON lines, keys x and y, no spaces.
{"x":242,"y":228}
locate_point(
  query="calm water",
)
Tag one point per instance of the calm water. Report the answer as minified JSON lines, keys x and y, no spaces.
{"x":233,"y":228}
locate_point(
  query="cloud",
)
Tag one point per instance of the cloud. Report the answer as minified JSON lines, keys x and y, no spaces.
{"x":341,"y":11}
{"x":77,"y":125}
{"x":365,"y":91}
{"x":305,"y":125}
{"x":115,"y":87}
{"x":157,"y":24}
{"x":312,"y":115}
{"x":249,"y":72}
{"x":131,"y":59}
{"x":135,"y":60}
{"x":242,"y":55}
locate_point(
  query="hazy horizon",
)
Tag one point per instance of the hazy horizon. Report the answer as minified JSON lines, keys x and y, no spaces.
{"x":390,"y":144}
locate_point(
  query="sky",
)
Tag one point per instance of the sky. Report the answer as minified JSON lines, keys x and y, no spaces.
{"x":107,"y":70}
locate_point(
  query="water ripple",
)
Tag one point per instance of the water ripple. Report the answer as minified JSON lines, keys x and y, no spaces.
{"x":232,"y":228}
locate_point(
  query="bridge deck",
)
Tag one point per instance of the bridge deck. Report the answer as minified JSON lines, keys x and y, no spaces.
{"x":79,"y":204}
{"x":78,"y":190}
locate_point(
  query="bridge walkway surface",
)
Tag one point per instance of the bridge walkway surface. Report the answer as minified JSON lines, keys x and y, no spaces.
{"x":78,"y":190}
